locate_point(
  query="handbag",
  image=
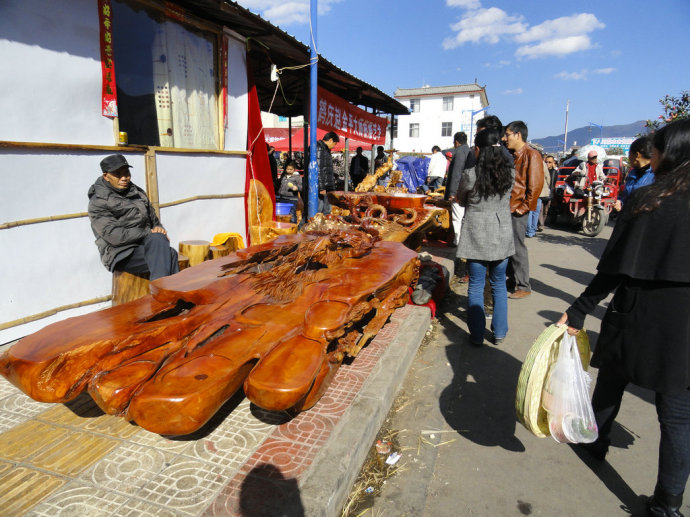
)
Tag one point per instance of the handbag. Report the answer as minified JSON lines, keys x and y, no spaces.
{"x":565,"y":397}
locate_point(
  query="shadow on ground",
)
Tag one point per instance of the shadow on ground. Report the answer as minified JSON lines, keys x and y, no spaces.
{"x":593,"y":245}
{"x":266,"y":493}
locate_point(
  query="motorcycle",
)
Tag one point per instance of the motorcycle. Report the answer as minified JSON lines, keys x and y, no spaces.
{"x":587,"y":209}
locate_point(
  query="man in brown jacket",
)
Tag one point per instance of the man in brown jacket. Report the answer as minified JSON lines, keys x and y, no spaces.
{"x":529,"y":179}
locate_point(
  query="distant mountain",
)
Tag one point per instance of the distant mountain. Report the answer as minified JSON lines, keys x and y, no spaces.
{"x":583,"y":135}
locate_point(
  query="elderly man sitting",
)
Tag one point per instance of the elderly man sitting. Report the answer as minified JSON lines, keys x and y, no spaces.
{"x":128,"y":233}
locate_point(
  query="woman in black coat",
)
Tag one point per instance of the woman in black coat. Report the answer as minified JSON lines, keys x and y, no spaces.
{"x":645,"y":334}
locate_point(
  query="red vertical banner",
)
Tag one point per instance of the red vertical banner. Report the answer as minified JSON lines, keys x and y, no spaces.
{"x":109,"y":95}
{"x":224,"y":78}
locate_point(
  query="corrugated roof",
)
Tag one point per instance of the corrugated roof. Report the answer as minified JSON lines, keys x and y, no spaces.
{"x":268,"y":44}
{"x":442,"y":90}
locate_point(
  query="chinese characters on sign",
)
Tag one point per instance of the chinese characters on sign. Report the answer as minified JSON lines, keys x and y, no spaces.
{"x":336,"y":114}
{"x":109,"y":96}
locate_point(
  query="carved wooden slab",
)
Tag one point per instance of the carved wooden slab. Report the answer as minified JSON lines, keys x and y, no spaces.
{"x":279,"y":318}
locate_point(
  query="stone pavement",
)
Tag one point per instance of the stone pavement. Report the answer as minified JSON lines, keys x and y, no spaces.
{"x":73,"y":460}
{"x":463,"y":451}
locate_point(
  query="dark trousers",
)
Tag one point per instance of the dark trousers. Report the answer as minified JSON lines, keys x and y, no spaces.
{"x":673,"y":412}
{"x":519,"y":263}
{"x":153,"y":256}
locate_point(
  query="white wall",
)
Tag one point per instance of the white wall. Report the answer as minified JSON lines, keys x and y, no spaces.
{"x":182,"y":176}
{"x":50,"y":264}
{"x":236,"y":133}
{"x":51,"y":73}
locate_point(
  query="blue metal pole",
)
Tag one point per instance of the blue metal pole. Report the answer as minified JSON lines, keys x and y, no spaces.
{"x":313,"y":186}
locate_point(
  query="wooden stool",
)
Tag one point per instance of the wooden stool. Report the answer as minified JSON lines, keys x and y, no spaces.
{"x":128,"y":287}
{"x":182,"y":261}
{"x":197,"y":251}
{"x":218,"y":251}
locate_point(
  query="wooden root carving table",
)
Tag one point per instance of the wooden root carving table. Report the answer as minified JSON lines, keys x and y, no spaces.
{"x":277,"y":318}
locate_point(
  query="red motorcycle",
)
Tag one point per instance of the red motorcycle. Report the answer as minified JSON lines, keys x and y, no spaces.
{"x":586,"y":208}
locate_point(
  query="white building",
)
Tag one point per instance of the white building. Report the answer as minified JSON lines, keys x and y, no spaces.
{"x":436,"y":114}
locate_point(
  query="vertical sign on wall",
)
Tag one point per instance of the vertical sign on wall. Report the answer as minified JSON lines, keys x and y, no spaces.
{"x":109,"y":96}
{"x":224,"y":78}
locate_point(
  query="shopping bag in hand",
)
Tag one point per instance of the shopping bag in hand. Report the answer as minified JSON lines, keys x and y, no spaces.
{"x":566,"y":397}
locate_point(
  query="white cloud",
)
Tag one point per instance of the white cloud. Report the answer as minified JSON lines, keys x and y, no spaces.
{"x":556,"y":37}
{"x":488,"y":25}
{"x":465,"y":4}
{"x":280,"y":12}
{"x":499,"y":64}
{"x":570,"y":76}
{"x":516,"y":91}
{"x":555,"y":47}
{"x":559,"y":28}
{"x":583,"y":74}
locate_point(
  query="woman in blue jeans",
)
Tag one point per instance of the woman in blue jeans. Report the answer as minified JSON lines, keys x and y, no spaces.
{"x":645,"y":334}
{"x":486,"y":237}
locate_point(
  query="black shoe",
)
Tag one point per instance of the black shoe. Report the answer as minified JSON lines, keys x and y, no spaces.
{"x":662,"y":504}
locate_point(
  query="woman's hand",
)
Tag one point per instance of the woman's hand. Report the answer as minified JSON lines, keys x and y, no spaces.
{"x":564,"y":320}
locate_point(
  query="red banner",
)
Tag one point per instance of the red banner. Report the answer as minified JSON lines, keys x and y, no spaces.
{"x":224,"y":78}
{"x":336,"y":114}
{"x":109,"y":95}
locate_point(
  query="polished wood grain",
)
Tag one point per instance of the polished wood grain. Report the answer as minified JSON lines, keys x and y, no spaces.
{"x":277,"y":319}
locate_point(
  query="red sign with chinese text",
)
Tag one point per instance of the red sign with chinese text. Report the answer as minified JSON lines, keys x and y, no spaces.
{"x":109,"y":95}
{"x":336,"y":114}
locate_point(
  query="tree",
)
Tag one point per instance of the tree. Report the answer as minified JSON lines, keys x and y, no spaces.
{"x":675,"y":108}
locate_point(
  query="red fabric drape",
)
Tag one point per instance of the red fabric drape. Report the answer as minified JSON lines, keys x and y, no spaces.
{"x":258,"y":166}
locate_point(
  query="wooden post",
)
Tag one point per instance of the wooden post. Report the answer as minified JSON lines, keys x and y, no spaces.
{"x":197,"y":251}
{"x":128,"y":287}
{"x":152,"y":180}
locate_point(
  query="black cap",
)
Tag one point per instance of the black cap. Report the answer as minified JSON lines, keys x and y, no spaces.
{"x":113,"y":162}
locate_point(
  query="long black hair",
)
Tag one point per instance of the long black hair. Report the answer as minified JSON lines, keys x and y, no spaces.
{"x":493,"y":169}
{"x":672,"y":173}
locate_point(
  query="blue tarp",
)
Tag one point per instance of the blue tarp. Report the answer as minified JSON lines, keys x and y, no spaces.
{"x":414,"y":171}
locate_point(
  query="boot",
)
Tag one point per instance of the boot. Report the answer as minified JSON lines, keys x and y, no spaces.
{"x":662,"y":504}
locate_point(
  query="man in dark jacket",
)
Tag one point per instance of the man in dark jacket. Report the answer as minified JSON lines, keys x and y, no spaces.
{"x":326,"y":173}
{"x":359,"y":167}
{"x":529,"y":179}
{"x":128,"y":233}
{"x":460,"y":158}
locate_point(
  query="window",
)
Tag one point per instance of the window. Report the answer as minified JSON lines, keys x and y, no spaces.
{"x":167,"y":79}
{"x":414,"y":130}
{"x":446,"y":129}
{"x":414,"y":105}
{"x":448,"y":104}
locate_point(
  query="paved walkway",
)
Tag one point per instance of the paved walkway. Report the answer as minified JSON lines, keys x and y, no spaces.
{"x":464,"y":454}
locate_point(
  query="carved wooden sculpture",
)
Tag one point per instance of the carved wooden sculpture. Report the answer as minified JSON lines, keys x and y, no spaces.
{"x":393,"y":216}
{"x":262,"y":227}
{"x":279,"y":317}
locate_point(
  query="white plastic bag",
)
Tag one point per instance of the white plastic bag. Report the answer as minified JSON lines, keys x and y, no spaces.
{"x":566,"y":397}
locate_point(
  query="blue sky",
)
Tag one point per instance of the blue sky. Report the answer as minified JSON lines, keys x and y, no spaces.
{"x":613,"y":60}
